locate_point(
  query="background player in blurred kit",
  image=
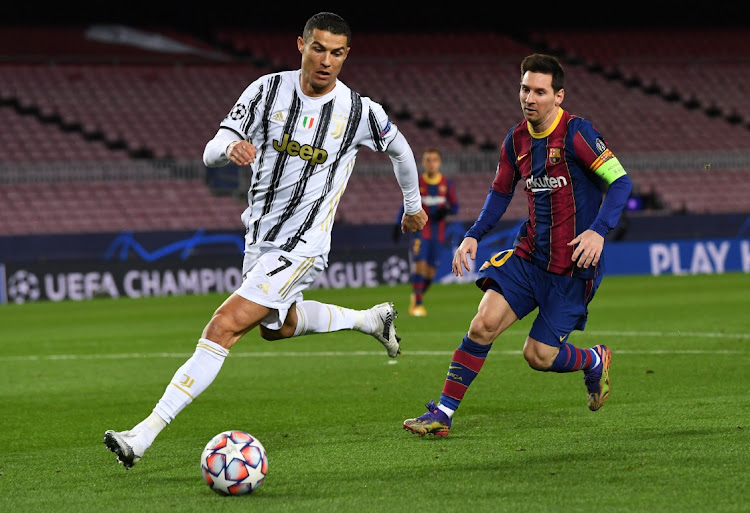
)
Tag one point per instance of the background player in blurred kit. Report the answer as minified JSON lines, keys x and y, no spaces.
{"x":439,"y":201}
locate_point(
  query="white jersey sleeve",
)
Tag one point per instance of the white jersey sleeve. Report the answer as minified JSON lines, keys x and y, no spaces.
{"x":215,"y":153}
{"x":381,"y":129}
{"x":244,"y":118}
{"x":407,"y":174}
{"x":239,"y":124}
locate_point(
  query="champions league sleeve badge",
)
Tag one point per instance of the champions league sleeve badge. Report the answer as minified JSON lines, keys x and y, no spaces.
{"x":238,"y":112}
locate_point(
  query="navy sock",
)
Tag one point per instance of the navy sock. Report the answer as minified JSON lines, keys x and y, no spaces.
{"x":572,"y":358}
{"x":466,"y":364}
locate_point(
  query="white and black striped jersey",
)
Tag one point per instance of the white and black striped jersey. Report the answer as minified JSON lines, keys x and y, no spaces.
{"x":306,"y":151}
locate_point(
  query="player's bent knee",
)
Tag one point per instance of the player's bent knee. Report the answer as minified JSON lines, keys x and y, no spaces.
{"x":535,"y":362}
{"x":539,"y":356}
{"x":269,"y":334}
{"x":482,"y":330}
{"x":217,"y":331}
{"x":224,"y":328}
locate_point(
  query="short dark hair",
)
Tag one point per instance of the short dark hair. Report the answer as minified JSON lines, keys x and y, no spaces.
{"x":330,"y":22}
{"x":547,"y":64}
{"x":432,"y":149}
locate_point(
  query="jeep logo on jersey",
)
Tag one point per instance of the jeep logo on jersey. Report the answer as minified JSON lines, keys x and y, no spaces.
{"x":303,"y":151}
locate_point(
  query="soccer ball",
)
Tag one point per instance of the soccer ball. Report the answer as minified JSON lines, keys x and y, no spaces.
{"x":234,"y":463}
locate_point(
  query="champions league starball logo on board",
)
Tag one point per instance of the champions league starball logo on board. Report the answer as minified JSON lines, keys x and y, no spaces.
{"x":22,"y":287}
{"x":395,"y":270}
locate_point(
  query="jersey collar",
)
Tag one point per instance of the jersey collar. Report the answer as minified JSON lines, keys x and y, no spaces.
{"x":542,"y":135}
{"x":432,"y":181}
{"x":325,"y":97}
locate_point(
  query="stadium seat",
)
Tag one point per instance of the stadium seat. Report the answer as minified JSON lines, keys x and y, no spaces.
{"x":451,"y":91}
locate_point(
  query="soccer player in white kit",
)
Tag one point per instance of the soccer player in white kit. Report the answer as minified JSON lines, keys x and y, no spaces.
{"x":299,"y":131}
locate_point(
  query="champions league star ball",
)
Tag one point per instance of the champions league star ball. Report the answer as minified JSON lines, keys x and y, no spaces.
{"x":234,"y":463}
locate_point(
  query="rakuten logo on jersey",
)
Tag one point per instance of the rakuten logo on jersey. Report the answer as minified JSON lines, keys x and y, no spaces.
{"x":545,"y":183}
{"x":433,"y":201}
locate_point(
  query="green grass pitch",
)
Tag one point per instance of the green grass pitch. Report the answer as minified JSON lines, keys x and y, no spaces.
{"x":674,"y":435}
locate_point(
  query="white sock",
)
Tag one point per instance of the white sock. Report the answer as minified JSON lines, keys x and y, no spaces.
{"x":446,"y":410}
{"x":189,"y":382}
{"x":150,"y":427}
{"x":315,"y":317}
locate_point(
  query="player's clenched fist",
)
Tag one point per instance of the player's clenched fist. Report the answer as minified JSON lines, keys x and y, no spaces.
{"x":241,"y":153}
{"x":413,"y":222}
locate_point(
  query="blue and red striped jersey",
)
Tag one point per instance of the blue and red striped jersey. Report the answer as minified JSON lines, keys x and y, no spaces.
{"x":563,"y":192}
{"x":438,"y":194}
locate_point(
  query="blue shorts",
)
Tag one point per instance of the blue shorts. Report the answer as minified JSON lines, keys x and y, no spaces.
{"x":562,"y":300}
{"x":426,"y":250}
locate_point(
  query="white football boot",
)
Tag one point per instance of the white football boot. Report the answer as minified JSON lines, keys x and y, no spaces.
{"x":383,"y":318}
{"x":127,"y":445}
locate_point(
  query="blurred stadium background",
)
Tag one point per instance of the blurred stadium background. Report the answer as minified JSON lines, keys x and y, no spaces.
{"x":104,"y":114}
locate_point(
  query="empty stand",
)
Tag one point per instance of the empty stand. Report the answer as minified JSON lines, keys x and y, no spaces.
{"x":23,"y":138}
{"x":112,"y":206}
{"x":456,"y":92}
{"x":708,"y":67}
{"x":697,"y":191}
{"x":170,"y":111}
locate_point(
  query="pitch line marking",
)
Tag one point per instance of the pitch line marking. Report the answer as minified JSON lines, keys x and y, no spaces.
{"x":605,"y":333}
{"x":298,"y":354}
{"x":308,"y":354}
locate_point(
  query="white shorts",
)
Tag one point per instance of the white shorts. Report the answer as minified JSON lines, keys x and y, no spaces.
{"x":276,"y":279}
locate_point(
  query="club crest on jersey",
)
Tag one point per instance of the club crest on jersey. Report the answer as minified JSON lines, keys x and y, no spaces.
{"x":555,"y":155}
{"x":307,"y":122}
{"x":338,"y":129}
{"x":339,"y":124}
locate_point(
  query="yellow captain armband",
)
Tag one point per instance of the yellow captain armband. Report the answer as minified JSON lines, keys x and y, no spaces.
{"x":607,"y":167}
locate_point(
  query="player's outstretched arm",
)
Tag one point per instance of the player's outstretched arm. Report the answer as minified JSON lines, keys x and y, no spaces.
{"x":407,"y":175}
{"x":468,"y":248}
{"x":226,"y":147}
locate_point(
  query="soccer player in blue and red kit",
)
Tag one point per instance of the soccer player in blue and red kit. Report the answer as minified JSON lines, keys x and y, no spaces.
{"x":439,"y":201}
{"x":556,"y":263}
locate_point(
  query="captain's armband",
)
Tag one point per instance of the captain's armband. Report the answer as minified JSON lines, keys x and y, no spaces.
{"x":607,"y":167}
